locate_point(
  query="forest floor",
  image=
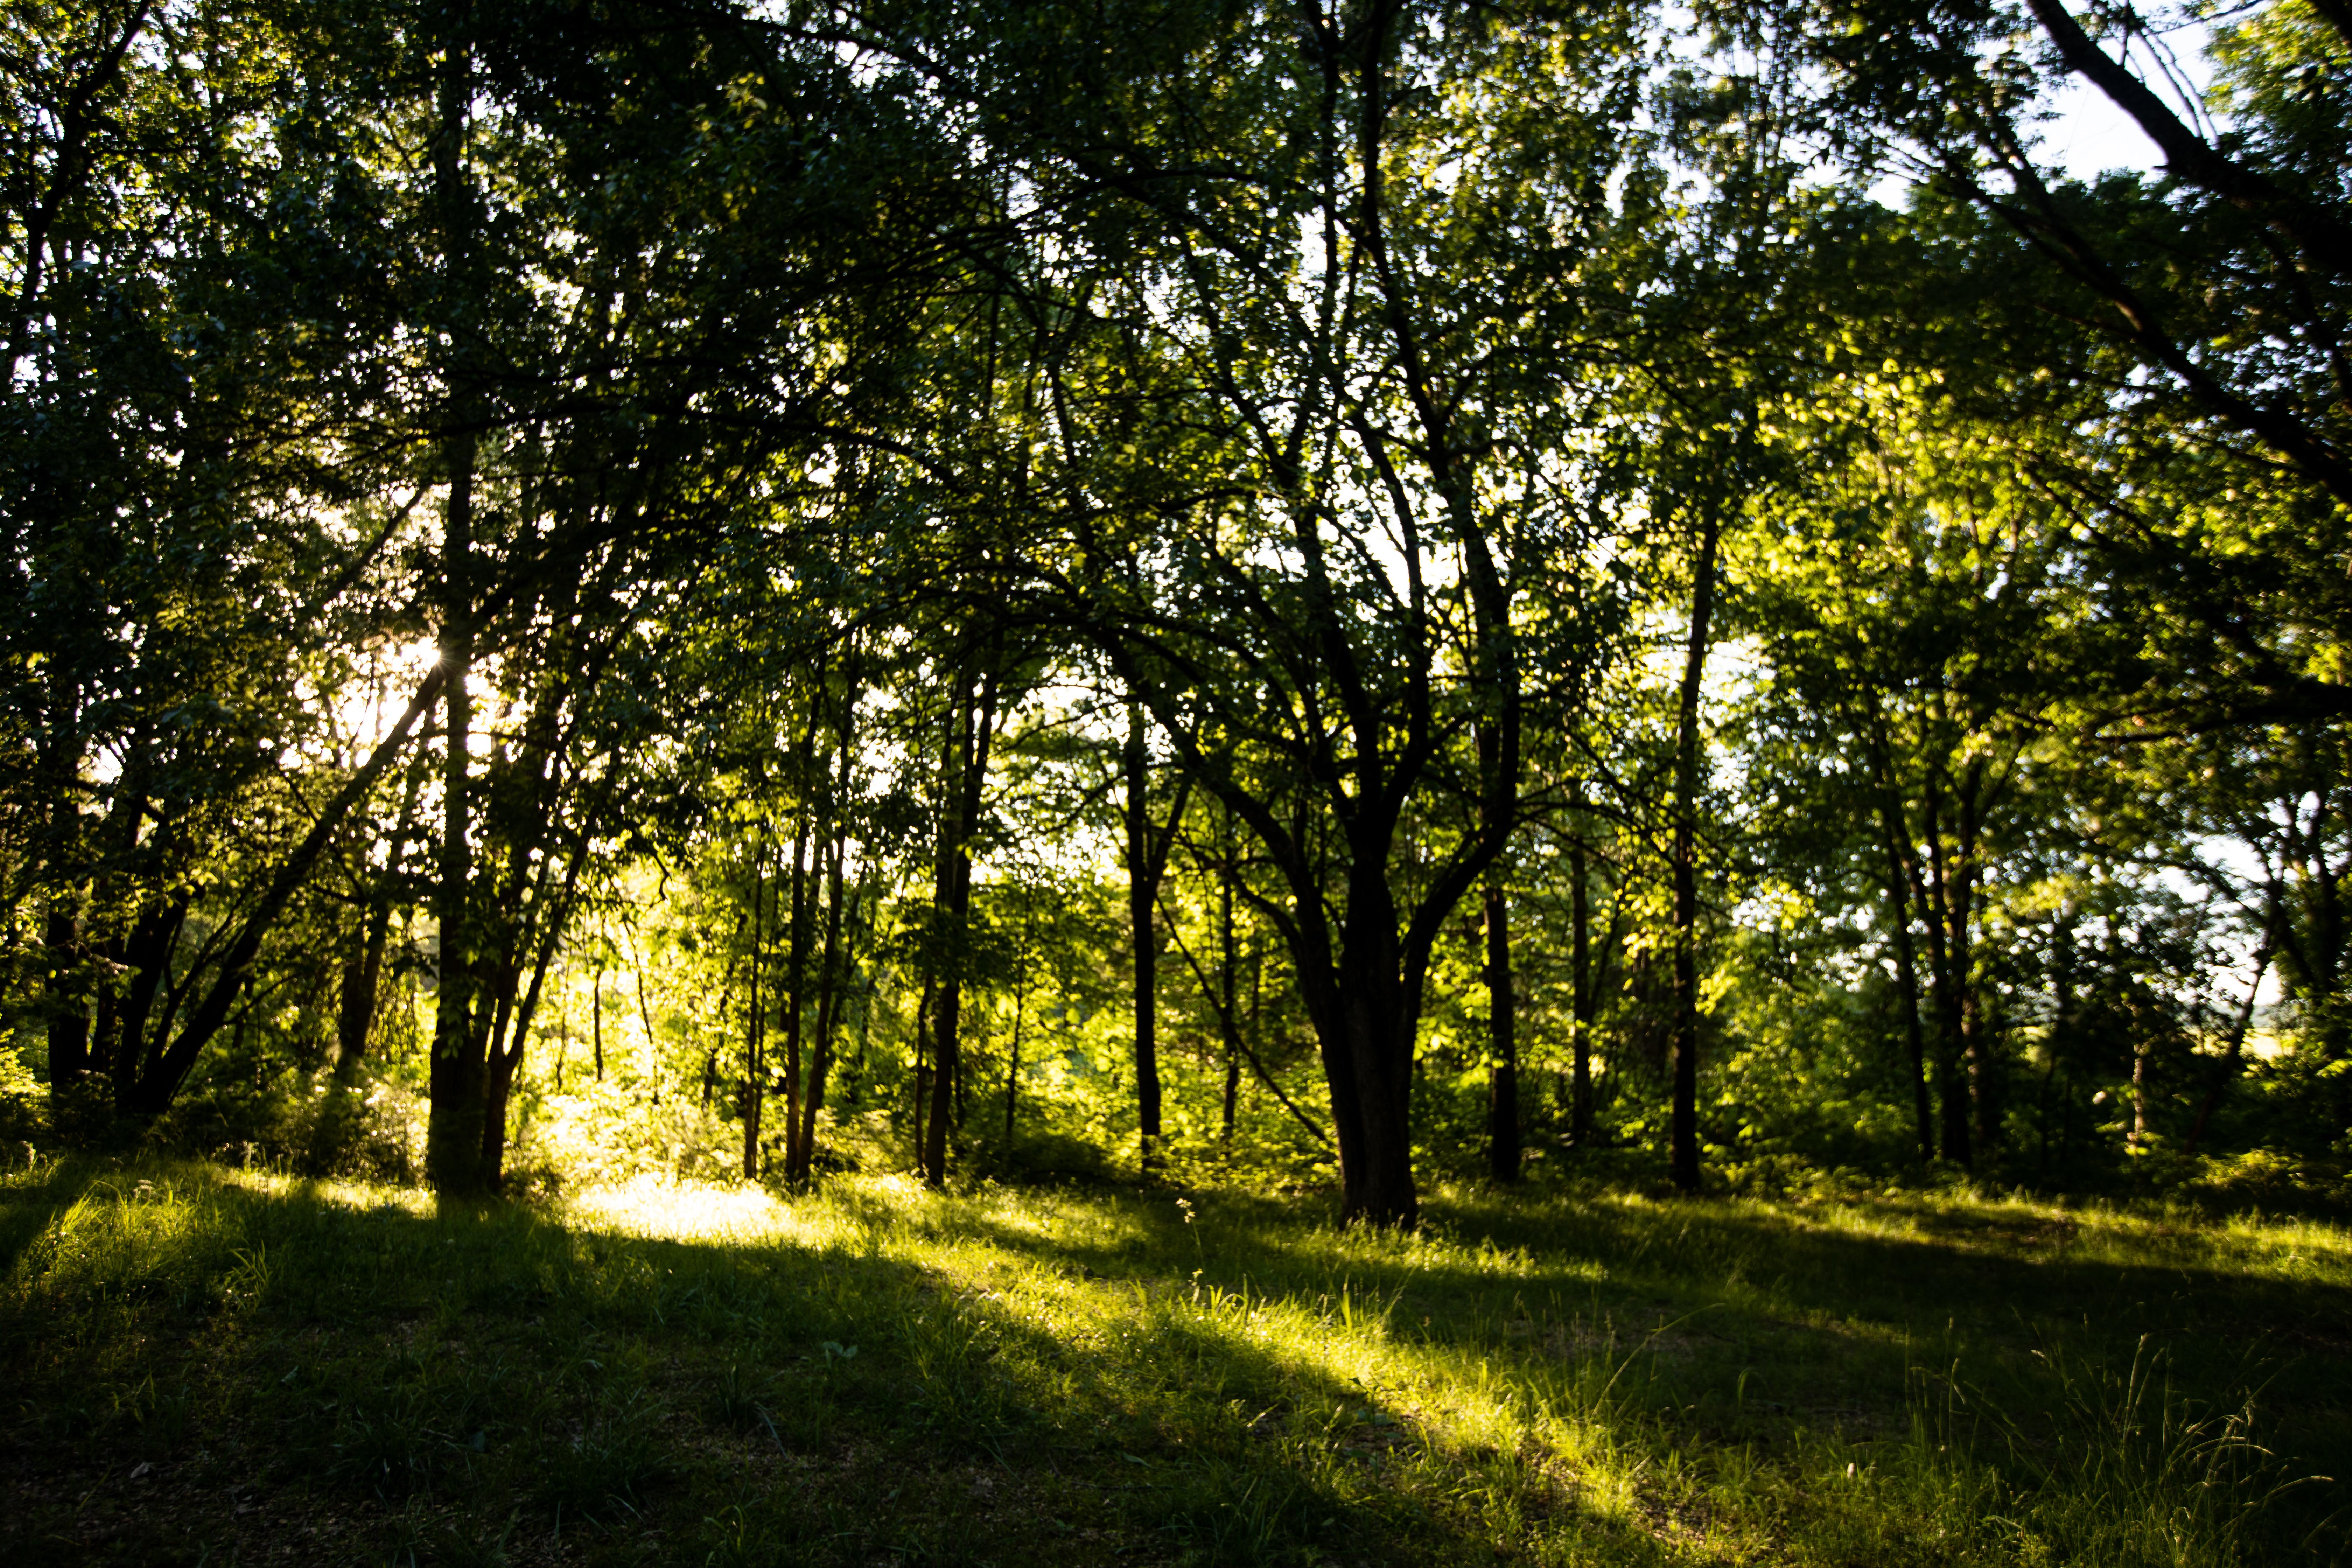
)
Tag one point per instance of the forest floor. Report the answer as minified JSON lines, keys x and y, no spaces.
{"x":199,"y":1365}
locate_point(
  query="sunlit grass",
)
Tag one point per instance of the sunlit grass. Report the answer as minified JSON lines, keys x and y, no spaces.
{"x":694,"y":1371}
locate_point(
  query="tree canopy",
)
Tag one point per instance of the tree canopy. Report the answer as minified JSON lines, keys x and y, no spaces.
{"x":1317,"y":592}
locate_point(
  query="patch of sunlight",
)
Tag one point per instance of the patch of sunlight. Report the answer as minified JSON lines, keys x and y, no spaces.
{"x":125,"y":1229}
{"x":367,"y":1196}
{"x":2021,"y":1226}
{"x":657,"y":1206}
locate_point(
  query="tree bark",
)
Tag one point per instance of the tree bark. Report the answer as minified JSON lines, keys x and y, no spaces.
{"x":974,"y":722}
{"x":755,"y":1065}
{"x":799,"y":1154}
{"x":1907,"y":977}
{"x":1684,"y":1156}
{"x":1228,"y":962}
{"x":454,"y":1127}
{"x":795,"y":986}
{"x":1584,"y":1004}
{"x":1142,"y":886}
{"x":1951,"y":967}
{"x":1013,"y":1056}
{"x":1147,"y":865}
{"x":1502,"y":1146}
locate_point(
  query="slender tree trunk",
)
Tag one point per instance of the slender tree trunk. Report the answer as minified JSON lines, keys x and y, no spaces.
{"x":1584,"y":1004}
{"x":1984,"y":1083}
{"x":801,"y":1153}
{"x":454,"y":1135}
{"x":1951,"y":984}
{"x":2062,"y":1026}
{"x":922,"y":1069}
{"x":1503,"y":1071}
{"x":1012,"y":1059}
{"x":645,"y":1020}
{"x":796,"y":983}
{"x":755,"y":1065}
{"x":1227,"y":962}
{"x":1142,"y":891}
{"x":1147,"y":867}
{"x":975,"y":728}
{"x":1907,"y":977}
{"x":454,"y":1129}
{"x":1683,"y":1159}
{"x":596,"y":1020}
{"x":801,"y":1157}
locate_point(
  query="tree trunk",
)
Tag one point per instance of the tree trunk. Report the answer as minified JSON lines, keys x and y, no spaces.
{"x":1584,"y":1004}
{"x":800,"y":1155}
{"x":1142,"y":889}
{"x":1013,"y":1057}
{"x":755,"y":1065}
{"x":1906,"y":976}
{"x":1228,"y":961}
{"x":974,"y":728}
{"x":795,"y":985}
{"x":1367,"y":1027}
{"x":922,"y":1066}
{"x":1951,"y":982}
{"x":1683,"y":1161}
{"x":454,"y":1127}
{"x":67,"y":1008}
{"x":1984,"y":1082}
{"x":1503,"y":1071}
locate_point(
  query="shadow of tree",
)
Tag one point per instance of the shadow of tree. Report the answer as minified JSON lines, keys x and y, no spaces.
{"x":1006,"y":1379}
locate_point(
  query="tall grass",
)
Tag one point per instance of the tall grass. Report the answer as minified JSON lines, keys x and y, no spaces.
{"x":875,"y":1373}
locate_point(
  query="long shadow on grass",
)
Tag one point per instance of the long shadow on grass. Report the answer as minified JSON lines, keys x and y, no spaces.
{"x":349,"y":1372}
{"x":1799,"y":1322}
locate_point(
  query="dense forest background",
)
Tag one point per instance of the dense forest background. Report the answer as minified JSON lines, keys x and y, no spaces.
{"x":1289,"y":593}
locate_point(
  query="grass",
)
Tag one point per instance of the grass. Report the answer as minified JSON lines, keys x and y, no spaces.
{"x":201,"y":1365}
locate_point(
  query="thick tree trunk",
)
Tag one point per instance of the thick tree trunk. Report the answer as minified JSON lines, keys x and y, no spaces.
{"x":1367,"y":1025}
{"x":1684,"y":1156}
{"x":67,"y":1009}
